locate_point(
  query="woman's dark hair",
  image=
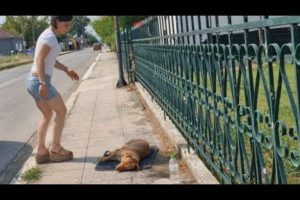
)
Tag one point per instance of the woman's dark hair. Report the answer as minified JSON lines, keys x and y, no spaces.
{"x":59,"y":18}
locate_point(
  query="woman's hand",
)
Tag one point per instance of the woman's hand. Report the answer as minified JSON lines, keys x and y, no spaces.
{"x":73,"y":75}
{"x":43,"y":91}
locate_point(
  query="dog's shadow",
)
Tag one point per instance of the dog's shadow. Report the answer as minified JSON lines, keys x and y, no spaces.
{"x":86,"y":159}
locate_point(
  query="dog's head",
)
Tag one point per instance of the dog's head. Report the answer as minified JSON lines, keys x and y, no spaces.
{"x":128,"y":162}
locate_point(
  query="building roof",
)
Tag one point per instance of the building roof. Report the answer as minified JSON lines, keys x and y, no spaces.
{"x":6,"y":34}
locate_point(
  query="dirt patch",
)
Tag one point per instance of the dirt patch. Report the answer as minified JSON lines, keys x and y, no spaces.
{"x":165,"y":144}
{"x":166,"y":147}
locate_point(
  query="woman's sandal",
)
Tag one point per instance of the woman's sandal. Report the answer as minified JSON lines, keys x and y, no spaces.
{"x":61,"y":155}
{"x":41,"y":159}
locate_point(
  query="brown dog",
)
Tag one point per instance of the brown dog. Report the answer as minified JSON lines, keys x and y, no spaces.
{"x":129,"y":154}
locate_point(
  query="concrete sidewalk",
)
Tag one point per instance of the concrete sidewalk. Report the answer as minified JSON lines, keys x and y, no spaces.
{"x":102,"y":117}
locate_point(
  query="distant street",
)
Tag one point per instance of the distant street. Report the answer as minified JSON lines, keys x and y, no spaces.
{"x":18,"y":114}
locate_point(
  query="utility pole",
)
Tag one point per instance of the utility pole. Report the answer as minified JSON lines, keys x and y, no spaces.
{"x":76,"y":28}
{"x":121,"y":81}
{"x":32,"y":27}
{"x":21,"y":20}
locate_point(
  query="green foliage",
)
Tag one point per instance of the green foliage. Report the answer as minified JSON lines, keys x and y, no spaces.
{"x":90,"y":38}
{"x":27,"y":27}
{"x":62,"y":38}
{"x":7,"y":62}
{"x":30,"y":27}
{"x":32,"y":174}
{"x":78,"y":25}
{"x":105,"y":27}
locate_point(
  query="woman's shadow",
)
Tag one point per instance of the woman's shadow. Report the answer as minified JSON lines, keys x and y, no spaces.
{"x":13,"y":155}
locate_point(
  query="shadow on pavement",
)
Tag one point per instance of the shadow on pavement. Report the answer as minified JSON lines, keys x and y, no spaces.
{"x":12,"y":157}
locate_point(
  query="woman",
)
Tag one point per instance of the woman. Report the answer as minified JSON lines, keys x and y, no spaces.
{"x":46,"y":97}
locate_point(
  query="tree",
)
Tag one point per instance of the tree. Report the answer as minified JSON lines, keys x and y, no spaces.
{"x":78,"y":25}
{"x":104,"y":27}
{"x":90,"y":38}
{"x":35,"y":27}
{"x":27,"y":27}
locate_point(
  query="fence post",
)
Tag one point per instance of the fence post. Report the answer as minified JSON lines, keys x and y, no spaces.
{"x":121,"y":82}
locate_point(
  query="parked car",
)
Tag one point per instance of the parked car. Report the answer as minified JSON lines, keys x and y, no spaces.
{"x":96,"y":46}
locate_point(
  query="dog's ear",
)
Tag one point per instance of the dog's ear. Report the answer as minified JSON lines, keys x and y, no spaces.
{"x":107,"y":153}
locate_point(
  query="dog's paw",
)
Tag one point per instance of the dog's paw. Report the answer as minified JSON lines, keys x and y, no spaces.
{"x":102,"y":159}
{"x":119,"y":168}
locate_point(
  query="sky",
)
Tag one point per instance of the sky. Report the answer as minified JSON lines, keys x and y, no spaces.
{"x":2,"y":19}
{"x":88,"y":28}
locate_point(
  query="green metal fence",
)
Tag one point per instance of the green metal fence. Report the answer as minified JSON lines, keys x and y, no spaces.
{"x":127,"y":55}
{"x":232,"y":90}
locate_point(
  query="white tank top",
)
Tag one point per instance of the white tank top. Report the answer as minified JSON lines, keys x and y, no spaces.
{"x":48,"y":38}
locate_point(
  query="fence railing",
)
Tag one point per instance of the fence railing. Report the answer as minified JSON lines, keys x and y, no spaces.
{"x":232,"y":90}
{"x":127,"y":55}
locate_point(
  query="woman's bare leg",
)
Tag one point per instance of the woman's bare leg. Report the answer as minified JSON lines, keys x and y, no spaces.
{"x":43,"y":127}
{"x":57,"y":104}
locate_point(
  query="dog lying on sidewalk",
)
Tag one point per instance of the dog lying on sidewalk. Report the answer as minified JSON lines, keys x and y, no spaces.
{"x":129,"y":155}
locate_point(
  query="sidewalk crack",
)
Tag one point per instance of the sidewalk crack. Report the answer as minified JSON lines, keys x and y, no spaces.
{"x":85,"y":157}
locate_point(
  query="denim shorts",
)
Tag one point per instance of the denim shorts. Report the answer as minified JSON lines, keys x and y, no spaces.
{"x":32,"y":84}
